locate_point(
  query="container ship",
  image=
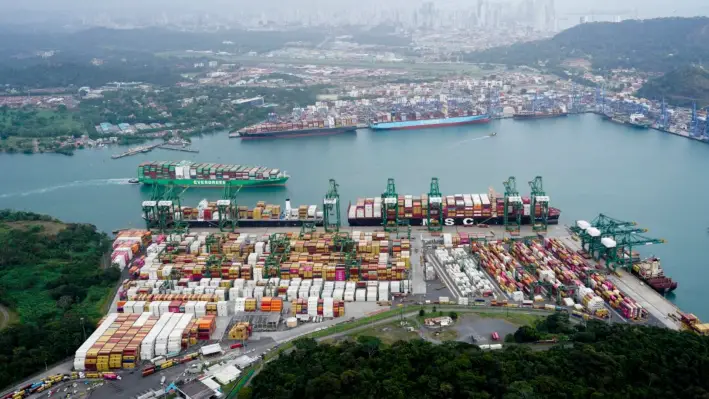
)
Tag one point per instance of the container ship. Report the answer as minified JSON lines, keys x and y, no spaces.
{"x":430,"y":123}
{"x":458,"y":210}
{"x":639,"y":121}
{"x":300,"y":128}
{"x":191,"y":174}
{"x":206,"y":214}
{"x":540,"y":114}
{"x":651,"y":273}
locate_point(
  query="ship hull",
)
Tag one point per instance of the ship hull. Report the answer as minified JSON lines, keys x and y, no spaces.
{"x":663,"y":285}
{"x":215,"y":183}
{"x":297,"y":133}
{"x":431,"y":123}
{"x":244,"y":223}
{"x":539,"y":116}
{"x":458,"y":221}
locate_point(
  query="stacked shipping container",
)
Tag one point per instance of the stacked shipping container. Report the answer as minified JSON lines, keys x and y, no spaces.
{"x":186,"y":170}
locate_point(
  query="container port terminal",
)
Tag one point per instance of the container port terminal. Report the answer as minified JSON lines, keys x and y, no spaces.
{"x":231,"y":292}
{"x":384,"y":107}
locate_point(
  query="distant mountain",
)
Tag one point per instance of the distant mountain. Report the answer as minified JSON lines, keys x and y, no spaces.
{"x":680,"y":87}
{"x":658,"y":45}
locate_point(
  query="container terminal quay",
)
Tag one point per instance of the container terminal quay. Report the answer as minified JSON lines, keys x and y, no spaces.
{"x":213,"y":301}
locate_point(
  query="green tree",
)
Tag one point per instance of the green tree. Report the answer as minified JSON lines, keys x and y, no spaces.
{"x":527,"y":334}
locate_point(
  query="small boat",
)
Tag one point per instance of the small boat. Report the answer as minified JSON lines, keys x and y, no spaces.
{"x":133,"y":181}
{"x":493,"y":134}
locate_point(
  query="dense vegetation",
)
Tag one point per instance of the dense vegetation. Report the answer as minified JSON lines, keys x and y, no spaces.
{"x":209,"y":105}
{"x":53,"y":73}
{"x":212,"y":108}
{"x":649,"y":45}
{"x":51,"y":278}
{"x":604,"y":361}
{"x":32,"y":122}
{"x":680,"y":87}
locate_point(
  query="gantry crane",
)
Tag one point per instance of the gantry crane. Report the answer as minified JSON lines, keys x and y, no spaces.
{"x":331,"y":205}
{"x":390,"y":207}
{"x":619,"y":252}
{"x":169,"y":211}
{"x":549,"y":286}
{"x":228,"y":209}
{"x":596,"y":248}
{"x":592,"y":234}
{"x":307,"y":228}
{"x":514,"y":201}
{"x":150,"y":208}
{"x":404,"y":224}
{"x":539,"y":223}
{"x":435,"y":207}
{"x":213,"y":262}
{"x":348,"y":247}
{"x":163,"y":211}
{"x":280,"y":248}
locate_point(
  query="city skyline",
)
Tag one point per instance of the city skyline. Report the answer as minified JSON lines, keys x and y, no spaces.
{"x":541,"y":15}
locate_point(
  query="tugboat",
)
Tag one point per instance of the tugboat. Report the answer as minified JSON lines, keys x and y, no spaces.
{"x":133,"y":181}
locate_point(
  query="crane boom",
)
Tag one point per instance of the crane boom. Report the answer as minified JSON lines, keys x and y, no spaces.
{"x":539,"y":217}
{"x":331,"y":205}
{"x":390,"y":207}
{"x":513,"y":207}
{"x":435,"y":207}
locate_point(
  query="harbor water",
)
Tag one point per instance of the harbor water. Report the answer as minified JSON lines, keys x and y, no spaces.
{"x":589,"y":166}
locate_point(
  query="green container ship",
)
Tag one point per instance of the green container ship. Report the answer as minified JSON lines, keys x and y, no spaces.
{"x":192,"y":174}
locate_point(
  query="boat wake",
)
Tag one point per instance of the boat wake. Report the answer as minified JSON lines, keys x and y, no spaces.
{"x":469,"y":140}
{"x":78,"y":183}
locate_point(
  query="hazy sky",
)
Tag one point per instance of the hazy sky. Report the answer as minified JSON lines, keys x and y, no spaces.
{"x":645,"y":8}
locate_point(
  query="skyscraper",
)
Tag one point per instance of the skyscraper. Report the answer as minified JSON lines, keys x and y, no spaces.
{"x":482,"y":11}
{"x":549,"y":16}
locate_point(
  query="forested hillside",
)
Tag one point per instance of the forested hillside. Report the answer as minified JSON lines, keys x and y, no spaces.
{"x":603,"y":361}
{"x":680,"y":87}
{"x":51,"y":278}
{"x":660,"y":45}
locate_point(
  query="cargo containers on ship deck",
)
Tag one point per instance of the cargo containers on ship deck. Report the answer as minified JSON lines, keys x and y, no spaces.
{"x":298,"y":128}
{"x":458,"y":209}
{"x":206,"y":214}
{"x":187,"y":173}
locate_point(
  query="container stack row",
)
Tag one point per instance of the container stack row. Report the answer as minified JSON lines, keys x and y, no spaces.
{"x":467,"y":206}
{"x":115,"y":343}
{"x":205,"y":327}
{"x":241,"y":331}
{"x":311,"y":307}
{"x":618,"y":300}
{"x":463,"y":270}
{"x":128,"y":244}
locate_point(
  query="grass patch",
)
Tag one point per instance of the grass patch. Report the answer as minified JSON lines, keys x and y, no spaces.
{"x":48,"y":228}
{"x":519,"y":319}
{"x":445,"y":334}
{"x":389,"y":333}
{"x":11,"y":318}
{"x":338,"y":328}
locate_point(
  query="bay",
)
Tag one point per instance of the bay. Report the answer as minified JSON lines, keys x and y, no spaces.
{"x":589,"y":166}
